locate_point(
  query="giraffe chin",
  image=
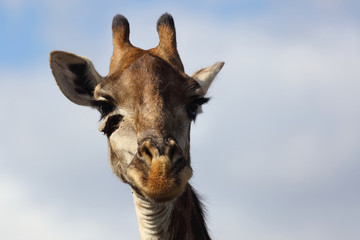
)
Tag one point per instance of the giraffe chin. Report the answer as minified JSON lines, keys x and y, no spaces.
{"x":160,"y":182}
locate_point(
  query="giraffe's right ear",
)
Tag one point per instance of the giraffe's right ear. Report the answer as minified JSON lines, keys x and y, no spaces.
{"x":75,"y":76}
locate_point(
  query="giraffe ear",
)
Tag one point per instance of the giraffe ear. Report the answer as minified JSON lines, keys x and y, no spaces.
{"x":205,"y":76}
{"x":75,"y":76}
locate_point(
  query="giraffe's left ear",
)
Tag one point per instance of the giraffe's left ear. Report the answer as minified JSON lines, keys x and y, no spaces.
{"x":205,"y":76}
{"x":75,"y":76}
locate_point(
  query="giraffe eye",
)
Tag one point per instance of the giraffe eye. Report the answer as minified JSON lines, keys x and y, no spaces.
{"x":104,"y":107}
{"x":193,"y":107}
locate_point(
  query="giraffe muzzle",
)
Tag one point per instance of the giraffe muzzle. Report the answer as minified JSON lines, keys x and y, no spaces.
{"x":159,"y":170}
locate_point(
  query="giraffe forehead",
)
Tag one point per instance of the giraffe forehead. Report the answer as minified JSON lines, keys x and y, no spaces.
{"x":148,"y":80}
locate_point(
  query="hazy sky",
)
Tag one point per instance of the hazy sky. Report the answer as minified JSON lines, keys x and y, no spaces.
{"x":276,"y":153}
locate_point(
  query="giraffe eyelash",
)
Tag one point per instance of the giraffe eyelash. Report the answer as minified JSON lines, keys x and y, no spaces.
{"x":201,"y":100}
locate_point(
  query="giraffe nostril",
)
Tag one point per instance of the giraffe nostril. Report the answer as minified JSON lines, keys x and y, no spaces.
{"x":148,"y":153}
{"x":173,"y":151}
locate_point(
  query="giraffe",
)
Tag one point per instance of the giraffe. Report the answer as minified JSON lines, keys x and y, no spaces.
{"x":147,"y":104}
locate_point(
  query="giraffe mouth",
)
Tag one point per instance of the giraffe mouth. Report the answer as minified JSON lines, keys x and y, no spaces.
{"x":160,"y":181}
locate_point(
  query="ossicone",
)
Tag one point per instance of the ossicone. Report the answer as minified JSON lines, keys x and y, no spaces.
{"x":121,"y":32}
{"x":167,"y":21}
{"x":167,"y":48}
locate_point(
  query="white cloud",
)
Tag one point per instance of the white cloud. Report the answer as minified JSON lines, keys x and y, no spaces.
{"x":24,"y":218}
{"x":292,"y":94}
{"x":282,"y":126}
{"x":52,"y":186}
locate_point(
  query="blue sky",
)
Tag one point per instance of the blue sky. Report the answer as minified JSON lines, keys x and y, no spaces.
{"x":275,"y":153}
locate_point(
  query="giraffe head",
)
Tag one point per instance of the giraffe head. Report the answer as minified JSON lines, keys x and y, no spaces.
{"x":147,"y":104}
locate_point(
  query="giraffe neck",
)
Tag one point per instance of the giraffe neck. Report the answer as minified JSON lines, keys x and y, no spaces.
{"x":153,"y":218}
{"x":182,"y":218}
